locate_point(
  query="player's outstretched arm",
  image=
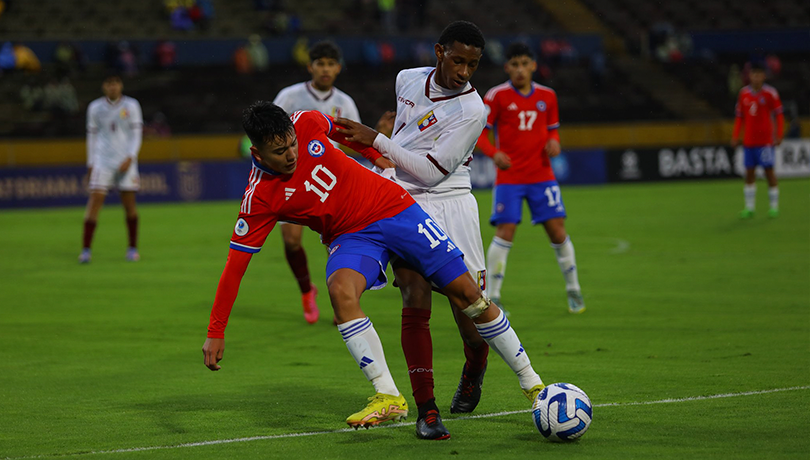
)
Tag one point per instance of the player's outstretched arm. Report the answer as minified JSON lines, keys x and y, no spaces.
{"x":227,"y":290}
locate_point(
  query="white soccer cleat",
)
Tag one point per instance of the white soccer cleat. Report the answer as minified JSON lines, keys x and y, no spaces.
{"x":575,"y":302}
{"x":84,"y":257}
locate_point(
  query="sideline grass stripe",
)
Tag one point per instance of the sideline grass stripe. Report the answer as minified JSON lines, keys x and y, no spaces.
{"x":397,"y":425}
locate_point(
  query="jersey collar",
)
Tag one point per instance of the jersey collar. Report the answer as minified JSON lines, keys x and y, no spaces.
{"x":443,"y":98}
{"x":518,"y":91}
{"x":258,"y":165}
{"x":312,"y":92}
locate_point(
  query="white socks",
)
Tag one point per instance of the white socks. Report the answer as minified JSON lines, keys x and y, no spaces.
{"x":773,"y":195}
{"x":364,"y":344}
{"x":496,"y":265}
{"x":566,"y":259}
{"x":750,"y":193}
{"x":500,"y":336}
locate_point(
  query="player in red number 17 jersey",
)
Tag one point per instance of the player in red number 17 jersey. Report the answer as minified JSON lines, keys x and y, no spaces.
{"x":525,"y":119}
{"x":757,"y":106}
{"x":365,"y":218}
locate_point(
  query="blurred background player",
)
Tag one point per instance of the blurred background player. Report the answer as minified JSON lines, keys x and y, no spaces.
{"x":319,"y":94}
{"x":114,"y":134}
{"x":438,"y":120}
{"x":757,"y":105}
{"x":525,"y":119}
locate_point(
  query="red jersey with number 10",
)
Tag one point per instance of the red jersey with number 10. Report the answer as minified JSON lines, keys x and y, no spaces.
{"x":328,"y":191}
{"x":522,"y":124}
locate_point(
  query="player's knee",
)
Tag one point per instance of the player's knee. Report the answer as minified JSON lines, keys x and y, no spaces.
{"x":477,"y":308}
{"x":292,"y":244}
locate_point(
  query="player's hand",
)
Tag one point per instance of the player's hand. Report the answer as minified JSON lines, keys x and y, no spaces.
{"x":386,"y":123}
{"x":735,"y":142}
{"x":356,"y":132}
{"x":212,"y":352}
{"x":384,"y":163}
{"x":552,"y":148}
{"x":502,"y":160}
{"x":125,"y":165}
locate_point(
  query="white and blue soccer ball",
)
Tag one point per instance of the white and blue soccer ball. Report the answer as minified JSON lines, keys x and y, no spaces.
{"x":562,"y":412}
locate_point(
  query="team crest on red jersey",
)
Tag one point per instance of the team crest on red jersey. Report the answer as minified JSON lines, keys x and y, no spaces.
{"x":427,"y":121}
{"x":541,"y":106}
{"x":315,"y":148}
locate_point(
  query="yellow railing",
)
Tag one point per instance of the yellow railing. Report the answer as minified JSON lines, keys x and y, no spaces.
{"x":31,"y":152}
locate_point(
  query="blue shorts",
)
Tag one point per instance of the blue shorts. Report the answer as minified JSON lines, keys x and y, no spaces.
{"x":412,"y":235}
{"x":759,"y":156}
{"x":544,"y":198}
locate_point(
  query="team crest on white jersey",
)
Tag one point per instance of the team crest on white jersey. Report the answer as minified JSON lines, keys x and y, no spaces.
{"x":124,"y":114}
{"x":315,"y":148}
{"x":541,"y":106}
{"x":427,"y":121}
{"x":512,"y":106}
{"x":241,"y":228}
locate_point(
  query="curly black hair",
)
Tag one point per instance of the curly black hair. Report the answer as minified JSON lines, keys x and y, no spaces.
{"x":464,"y":32}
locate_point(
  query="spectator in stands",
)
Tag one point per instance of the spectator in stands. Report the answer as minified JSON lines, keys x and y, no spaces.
{"x":66,"y":59}
{"x":165,"y":54}
{"x":127,"y":61}
{"x":241,"y":60}
{"x":25,"y":59}
{"x":388,"y":15}
{"x":180,"y":19}
{"x":8,"y":61}
{"x":735,"y":81}
{"x":158,"y":127}
{"x":257,"y":52}
{"x":597,"y":70}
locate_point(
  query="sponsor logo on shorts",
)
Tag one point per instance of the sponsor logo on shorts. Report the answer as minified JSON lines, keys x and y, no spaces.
{"x":241,"y":228}
{"x":315,"y":148}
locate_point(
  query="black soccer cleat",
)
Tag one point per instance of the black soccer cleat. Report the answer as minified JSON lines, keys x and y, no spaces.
{"x":468,"y":393}
{"x":429,"y":426}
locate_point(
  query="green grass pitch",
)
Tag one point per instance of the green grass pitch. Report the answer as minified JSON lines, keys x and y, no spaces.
{"x":683,"y":300}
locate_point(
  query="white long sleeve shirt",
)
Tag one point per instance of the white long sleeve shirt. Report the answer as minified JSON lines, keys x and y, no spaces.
{"x":435,"y":132}
{"x":114,"y":131}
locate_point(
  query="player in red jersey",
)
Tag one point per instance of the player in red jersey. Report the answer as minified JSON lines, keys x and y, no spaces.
{"x":758,"y":104}
{"x":524,"y":116}
{"x":299,"y":176}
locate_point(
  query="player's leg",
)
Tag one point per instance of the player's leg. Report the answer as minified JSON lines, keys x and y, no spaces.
{"x":773,"y":192}
{"x":94,"y":204}
{"x":131,"y":214}
{"x":566,"y":259}
{"x":353,"y":267}
{"x":767,"y":158}
{"x":99,"y":182}
{"x":494,"y":328}
{"x":507,"y":202}
{"x":297,"y":259}
{"x":417,"y":345}
{"x":750,"y":187}
{"x":547,"y":208}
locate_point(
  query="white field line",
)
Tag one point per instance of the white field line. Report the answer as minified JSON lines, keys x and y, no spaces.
{"x":397,"y":425}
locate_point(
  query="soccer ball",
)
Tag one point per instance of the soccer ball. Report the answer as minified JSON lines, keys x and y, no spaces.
{"x":562,"y":412}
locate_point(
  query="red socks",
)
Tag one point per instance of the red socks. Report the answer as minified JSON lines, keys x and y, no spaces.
{"x":476,"y":359}
{"x":132,"y":227}
{"x":87,"y":235}
{"x":418,"y":348}
{"x":298,"y":264}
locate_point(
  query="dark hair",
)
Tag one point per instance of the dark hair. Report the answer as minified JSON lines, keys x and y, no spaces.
{"x":324,"y":49}
{"x":758,"y":65}
{"x":266,"y":122}
{"x":112,"y":75}
{"x":464,"y":32}
{"x":516,"y":49}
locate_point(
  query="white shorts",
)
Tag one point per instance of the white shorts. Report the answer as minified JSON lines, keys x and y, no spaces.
{"x":458,"y":217}
{"x":103,"y":179}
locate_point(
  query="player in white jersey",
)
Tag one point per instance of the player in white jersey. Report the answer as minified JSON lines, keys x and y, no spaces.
{"x":438,"y":120}
{"x":114,"y":132}
{"x":319,"y":94}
